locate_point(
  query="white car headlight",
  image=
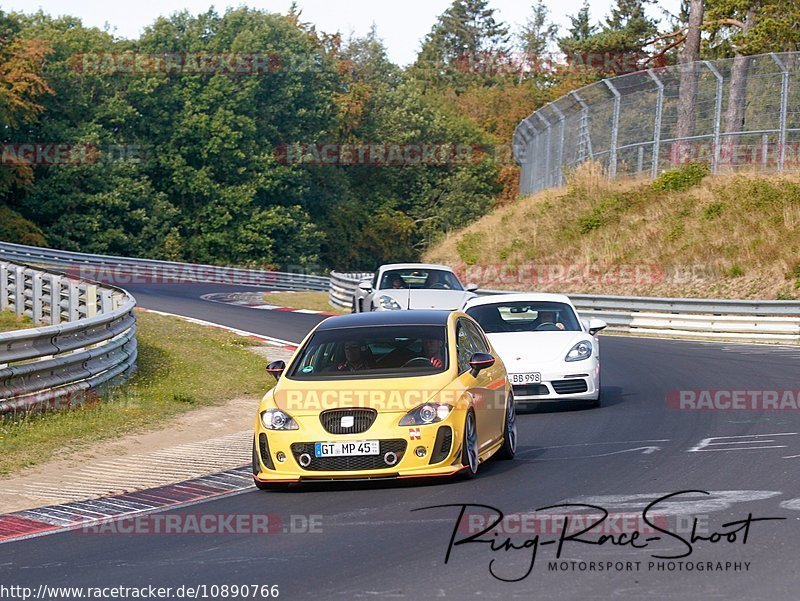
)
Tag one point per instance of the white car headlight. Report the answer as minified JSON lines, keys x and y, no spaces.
{"x":429,"y":413}
{"x":275,"y":419}
{"x":579,"y":352}
{"x":387,"y":303}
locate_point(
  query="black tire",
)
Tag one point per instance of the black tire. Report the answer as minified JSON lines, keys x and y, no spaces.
{"x":469,"y":447}
{"x":509,"y":448}
{"x":354,"y":309}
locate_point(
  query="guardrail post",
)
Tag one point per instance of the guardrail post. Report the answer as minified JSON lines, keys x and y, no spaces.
{"x":91,"y":300}
{"x":19,"y":290}
{"x":612,"y":160}
{"x":73,"y":301}
{"x":717,"y":114}
{"x":106,"y":300}
{"x":55,"y":299}
{"x":4,"y":284}
{"x":36,"y":299}
{"x":657,"y":123}
{"x":784,"y":109}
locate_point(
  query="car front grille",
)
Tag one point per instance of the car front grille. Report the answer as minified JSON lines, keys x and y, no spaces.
{"x":569,"y":386}
{"x":360,"y":462}
{"x":530,"y":390}
{"x":362,"y":420}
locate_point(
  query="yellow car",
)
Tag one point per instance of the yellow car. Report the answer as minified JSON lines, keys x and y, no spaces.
{"x":385,"y":395}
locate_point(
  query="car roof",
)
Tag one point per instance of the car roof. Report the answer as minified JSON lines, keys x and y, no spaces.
{"x":386,"y":318}
{"x":519,"y":297}
{"x":414,"y":266}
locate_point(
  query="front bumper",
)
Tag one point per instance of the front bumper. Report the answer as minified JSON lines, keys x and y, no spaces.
{"x":301,"y":464}
{"x":561,"y":385}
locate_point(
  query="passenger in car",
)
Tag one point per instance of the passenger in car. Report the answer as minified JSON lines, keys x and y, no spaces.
{"x":356,"y":357}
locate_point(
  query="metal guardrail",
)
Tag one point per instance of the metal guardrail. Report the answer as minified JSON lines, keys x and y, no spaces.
{"x":761,"y":321}
{"x":732,"y":113}
{"x":342,"y":288}
{"x":89,"y":339}
{"x":125,"y":270}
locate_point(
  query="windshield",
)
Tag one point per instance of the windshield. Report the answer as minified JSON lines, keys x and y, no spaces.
{"x":382,"y":351}
{"x":432,"y":279}
{"x":525,"y":316}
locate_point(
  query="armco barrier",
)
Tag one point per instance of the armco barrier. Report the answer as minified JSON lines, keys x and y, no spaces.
{"x":761,"y":321}
{"x":89,"y":339}
{"x":125,"y":270}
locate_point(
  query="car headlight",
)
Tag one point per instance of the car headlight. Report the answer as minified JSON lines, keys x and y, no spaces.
{"x":579,"y":352}
{"x":387,"y":303}
{"x":429,"y":413}
{"x":275,"y":419}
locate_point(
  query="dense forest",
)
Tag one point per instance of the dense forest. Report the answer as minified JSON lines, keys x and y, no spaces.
{"x":252,"y":138}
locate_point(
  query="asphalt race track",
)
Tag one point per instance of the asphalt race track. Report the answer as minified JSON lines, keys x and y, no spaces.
{"x":364,"y":541}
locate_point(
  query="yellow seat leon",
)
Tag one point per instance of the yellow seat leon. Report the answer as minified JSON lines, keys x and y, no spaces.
{"x":396,"y":394}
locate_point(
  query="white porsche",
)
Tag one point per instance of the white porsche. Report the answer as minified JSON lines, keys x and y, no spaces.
{"x":549,"y":352}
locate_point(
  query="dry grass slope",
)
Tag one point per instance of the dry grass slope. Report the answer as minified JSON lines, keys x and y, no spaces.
{"x":686,"y":234}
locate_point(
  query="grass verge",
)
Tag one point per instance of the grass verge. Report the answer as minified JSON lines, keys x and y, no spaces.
{"x":734,"y":235}
{"x":181,"y":367}
{"x":9,"y":321}
{"x":317,"y":301}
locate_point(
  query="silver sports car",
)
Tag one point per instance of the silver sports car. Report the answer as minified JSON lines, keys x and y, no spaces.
{"x":412,"y":286}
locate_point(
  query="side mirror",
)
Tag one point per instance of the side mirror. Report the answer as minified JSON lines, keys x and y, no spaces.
{"x":365,"y":285}
{"x":479,"y":362}
{"x":595,"y":325}
{"x":471,"y":287}
{"x":276,"y":369}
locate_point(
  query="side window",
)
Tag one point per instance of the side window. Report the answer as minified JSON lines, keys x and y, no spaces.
{"x":463,"y":347}
{"x":477,"y":338}
{"x":375,"y":281}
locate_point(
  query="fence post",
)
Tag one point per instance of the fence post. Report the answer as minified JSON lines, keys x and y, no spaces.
{"x":657,"y":124}
{"x":73,"y":301}
{"x":546,"y":178}
{"x":91,"y":300}
{"x":784,"y":108}
{"x":19,"y":290}
{"x":612,"y":160}
{"x":717,"y":114}
{"x":584,"y":135}
{"x":561,"y":135}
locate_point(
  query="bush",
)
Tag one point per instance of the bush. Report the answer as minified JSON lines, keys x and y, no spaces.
{"x":682,"y":178}
{"x":469,"y":247}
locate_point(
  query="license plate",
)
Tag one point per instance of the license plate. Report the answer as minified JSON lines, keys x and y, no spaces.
{"x":347,"y":449}
{"x":534,"y":377}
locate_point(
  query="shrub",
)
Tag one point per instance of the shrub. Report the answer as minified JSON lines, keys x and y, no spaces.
{"x":682,"y":178}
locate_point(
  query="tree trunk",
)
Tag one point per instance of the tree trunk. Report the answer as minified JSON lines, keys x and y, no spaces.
{"x":687,"y":96}
{"x":737,"y":94}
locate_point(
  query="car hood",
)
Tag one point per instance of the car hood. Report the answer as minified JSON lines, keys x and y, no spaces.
{"x":523,"y":350}
{"x":428,"y":299}
{"x":387,"y":395}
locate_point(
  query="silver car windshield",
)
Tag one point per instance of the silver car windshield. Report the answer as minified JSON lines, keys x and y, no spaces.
{"x":427,"y":279}
{"x":525,"y":316}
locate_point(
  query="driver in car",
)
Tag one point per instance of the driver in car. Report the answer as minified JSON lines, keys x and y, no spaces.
{"x":355,"y":357}
{"x":433,"y":349}
{"x":548,"y":318}
{"x":435,"y":280}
